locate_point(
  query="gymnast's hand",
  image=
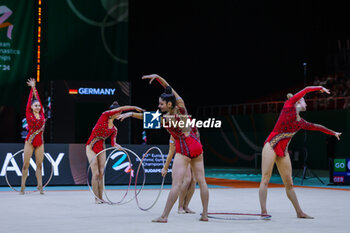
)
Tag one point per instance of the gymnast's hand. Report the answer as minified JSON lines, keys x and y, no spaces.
{"x":152,"y":77}
{"x":164,"y":171}
{"x":325,"y":90}
{"x":337,"y":135}
{"x":31,"y":82}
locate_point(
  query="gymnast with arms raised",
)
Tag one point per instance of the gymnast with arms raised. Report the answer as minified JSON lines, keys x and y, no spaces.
{"x":103,"y":129}
{"x":275,"y":149}
{"x":34,"y":141}
{"x":188,"y":147}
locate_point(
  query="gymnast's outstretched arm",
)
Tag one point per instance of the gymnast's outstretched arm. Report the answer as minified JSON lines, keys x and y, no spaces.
{"x":179,"y":101}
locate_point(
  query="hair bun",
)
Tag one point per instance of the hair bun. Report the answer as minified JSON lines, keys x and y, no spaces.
{"x":168,"y":96}
{"x":114,"y":105}
{"x":168,"y":90}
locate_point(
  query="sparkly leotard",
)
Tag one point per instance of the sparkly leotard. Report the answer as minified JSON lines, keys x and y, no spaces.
{"x":287,"y":124}
{"x":190,"y":145}
{"x":35,"y":126}
{"x":101,"y":131}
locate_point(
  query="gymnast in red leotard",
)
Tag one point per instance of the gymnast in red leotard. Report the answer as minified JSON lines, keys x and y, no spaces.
{"x":276,"y":146}
{"x":188,"y":147}
{"x":34,"y":140}
{"x":103,"y":129}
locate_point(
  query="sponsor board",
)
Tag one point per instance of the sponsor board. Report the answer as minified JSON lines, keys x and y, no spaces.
{"x":69,"y":164}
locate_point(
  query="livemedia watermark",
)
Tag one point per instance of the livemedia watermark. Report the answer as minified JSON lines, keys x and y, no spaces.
{"x":154,"y":120}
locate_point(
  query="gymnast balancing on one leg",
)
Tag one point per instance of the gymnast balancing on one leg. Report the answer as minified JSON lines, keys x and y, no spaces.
{"x":188,"y":186}
{"x":34,"y":140}
{"x":275,"y":149}
{"x":187,"y":145}
{"x":103,"y":129}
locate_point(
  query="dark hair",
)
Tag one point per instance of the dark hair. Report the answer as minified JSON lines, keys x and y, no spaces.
{"x":33,"y":101}
{"x":114,"y":105}
{"x":168,"y":96}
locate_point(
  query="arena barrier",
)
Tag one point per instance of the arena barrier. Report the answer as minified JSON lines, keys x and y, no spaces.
{"x":69,"y":164}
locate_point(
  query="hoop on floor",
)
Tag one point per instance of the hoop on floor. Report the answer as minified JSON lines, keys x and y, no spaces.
{"x":137,"y":173}
{"x":238,"y":216}
{"x":125,"y":150}
{"x":13,"y":156}
{"x":89,"y":168}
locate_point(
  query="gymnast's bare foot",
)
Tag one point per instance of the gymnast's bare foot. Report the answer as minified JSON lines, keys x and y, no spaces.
{"x":189,"y":211}
{"x":22,"y":190}
{"x":40,"y":188}
{"x":98,"y":201}
{"x":303,"y":215}
{"x":264,"y":212}
{"x":181,"y":211}
{"x":160,"y":220}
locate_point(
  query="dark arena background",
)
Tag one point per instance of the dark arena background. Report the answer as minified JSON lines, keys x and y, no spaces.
{"x":231,"y":61}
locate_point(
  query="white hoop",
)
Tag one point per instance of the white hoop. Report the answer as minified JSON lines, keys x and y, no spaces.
{"x":13,"y":156}
{"x":161,"y":187}
{"x":89,"y":168}
{"x":139,"y":190}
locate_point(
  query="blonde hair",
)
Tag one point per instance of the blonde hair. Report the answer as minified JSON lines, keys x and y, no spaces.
{"x":289,"y":95}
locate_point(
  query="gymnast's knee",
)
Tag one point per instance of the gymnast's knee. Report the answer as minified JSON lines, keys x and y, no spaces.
{"x":95,"y":176}
{"x":187,"y":180}
{"x":201,"y":181}
{"x":25,"y":166}
{"x":265,"y":179}
{"x":176,"y":184}
{"x":288,"y":185}
{"x":39,"y":166}
{"x":192,"y":183}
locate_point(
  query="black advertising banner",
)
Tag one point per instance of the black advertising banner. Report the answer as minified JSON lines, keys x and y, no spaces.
{"x":117,"y":167}
{"x":96,"y":91}
{"x":77,"y":105}
{"x":69,"y":165}
{"x":56,"y":153}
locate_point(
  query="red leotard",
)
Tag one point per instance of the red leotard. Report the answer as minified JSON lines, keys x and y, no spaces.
{"x":190,"y":145}
{"x":287,"y":124}
{"x":35,"y":126}
{"x":101,"y":131}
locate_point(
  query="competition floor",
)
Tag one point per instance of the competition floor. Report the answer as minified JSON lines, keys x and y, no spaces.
{"x":71,"y":209}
